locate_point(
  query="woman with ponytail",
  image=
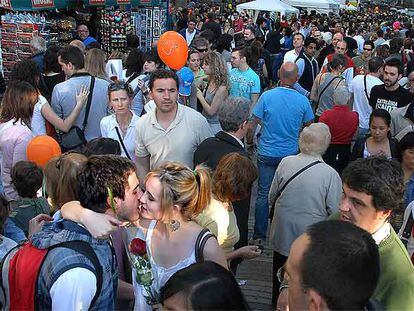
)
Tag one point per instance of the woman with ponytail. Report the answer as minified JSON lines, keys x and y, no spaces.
{"x":173,"y":196}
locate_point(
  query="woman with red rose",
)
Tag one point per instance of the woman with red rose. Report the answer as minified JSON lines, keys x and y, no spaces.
{"x":173,"y":196}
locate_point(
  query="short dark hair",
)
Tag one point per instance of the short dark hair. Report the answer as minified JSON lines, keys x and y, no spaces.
{"x":102,"y":146}
{"x":370,"y":43}
{"x":132,"y":41}
{"x":27,"y":178}
{"x":99,"y":174}
{"x":337,"y":60}
{"x":152,"y":56}
{"x":299,"y":34}
{"x":50,"y":59}
{"x":341,"y":263}
{"x":375,"y":64}
{"x":206,"y":286}
{"x":310,"y":40}
{"x":4,"y":211}
{"x":394,"y":62}
{"x":380,"y":113}
{"x":380,"y":33}
{"x":407,"y":142}
{"x":242,"y":51}
{"x":162,"y":74}
{"x":378,"y":177}
{"x":72,"y":54}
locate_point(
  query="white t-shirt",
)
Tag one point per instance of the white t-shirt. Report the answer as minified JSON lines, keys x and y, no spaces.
{"x":73,"y":290}
{"x":290,"y":56}
{"x":361,"y":102}
{"x":38,"y":124}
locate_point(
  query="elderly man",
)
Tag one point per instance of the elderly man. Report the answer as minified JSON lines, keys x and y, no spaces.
{"x":304,"y":191}
{"x":38,"y":49}
{"x":282,"y":112}
{"x":83,"y":34}
{"x":343,"y":125}
{"x":233,"y":116}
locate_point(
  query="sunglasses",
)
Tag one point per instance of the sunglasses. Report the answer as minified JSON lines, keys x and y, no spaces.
{"x":367,"y":49}
{"x":119,"y":85}
{"x":202,"y":50}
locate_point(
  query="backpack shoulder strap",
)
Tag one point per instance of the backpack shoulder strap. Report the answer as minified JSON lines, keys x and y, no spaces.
{"x":201,"y":241}
{"x":86,"y":250}
{"x":406,"y":234}
{"x":89,"y":102}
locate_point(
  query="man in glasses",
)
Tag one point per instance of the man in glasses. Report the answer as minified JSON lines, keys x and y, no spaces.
{"x":361,"y":61}
{"x":83,"y":34}
{"x":201,"y":45}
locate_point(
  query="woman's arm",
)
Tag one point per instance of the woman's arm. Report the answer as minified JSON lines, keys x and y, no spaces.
{"x":99,"y":225}
{"x":219,"y":97}
{"x":265,"y":73}
{"x":245,"y":252}
{"x":213,"y":252}
{"x":66,"y":124}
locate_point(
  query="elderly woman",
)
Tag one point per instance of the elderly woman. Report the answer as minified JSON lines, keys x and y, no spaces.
{"x":304,"y":190}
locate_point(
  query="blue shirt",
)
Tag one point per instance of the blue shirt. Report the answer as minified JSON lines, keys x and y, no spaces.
{"x":244,"y":83}
{"x":282,"y":111}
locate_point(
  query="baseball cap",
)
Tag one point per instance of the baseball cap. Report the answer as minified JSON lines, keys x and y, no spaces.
{"x":186,"y":78}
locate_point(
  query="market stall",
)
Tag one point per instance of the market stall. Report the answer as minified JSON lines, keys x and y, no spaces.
{"x":24,"y":19}
{"x":268,"y":5}
{"x":321,"y":6}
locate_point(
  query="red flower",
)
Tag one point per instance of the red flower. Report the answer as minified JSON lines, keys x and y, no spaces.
{"x":138,"y":247}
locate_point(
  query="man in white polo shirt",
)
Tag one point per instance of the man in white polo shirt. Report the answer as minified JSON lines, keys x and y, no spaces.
{"x":171,"y":131}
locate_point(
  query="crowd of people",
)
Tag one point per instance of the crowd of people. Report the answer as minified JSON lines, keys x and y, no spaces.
{"x":133,"y":190}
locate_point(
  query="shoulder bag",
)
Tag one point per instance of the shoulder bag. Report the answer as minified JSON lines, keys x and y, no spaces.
{"x":75,"y":137}
{"x":201,"y":241}
{"x":122,"y":142}
{"x":323,"y":91}
{"x":272,"y":210}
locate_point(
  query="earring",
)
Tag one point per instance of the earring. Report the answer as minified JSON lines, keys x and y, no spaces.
{"x":175,"y":225}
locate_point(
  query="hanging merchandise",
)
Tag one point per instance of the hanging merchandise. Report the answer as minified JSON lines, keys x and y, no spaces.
{"x":115,"y":25}
{"x":150,"y":23}
{"x":17,"y":30}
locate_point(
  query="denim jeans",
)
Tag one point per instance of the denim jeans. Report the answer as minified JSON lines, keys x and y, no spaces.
{"x":277,"y":60}
{"x":267,"y":167}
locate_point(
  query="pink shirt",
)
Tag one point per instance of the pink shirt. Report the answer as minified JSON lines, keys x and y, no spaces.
{"x":14,"y":139}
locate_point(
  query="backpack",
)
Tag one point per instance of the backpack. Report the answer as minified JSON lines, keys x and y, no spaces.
{"x":20,"y":269}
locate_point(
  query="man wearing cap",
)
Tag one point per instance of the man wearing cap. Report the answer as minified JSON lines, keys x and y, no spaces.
{"x":171,"y":131}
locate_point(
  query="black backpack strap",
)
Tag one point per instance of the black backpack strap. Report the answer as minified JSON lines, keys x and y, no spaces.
{"x":297,"y":174}
{"x":365,"y":87}
{"x":122,"y":142}
{"x":201,"y":241}
{"x":88,"y":104}
{"x":86,"y":250}
{"x":132,"y":77}
{"x":406,"y":234}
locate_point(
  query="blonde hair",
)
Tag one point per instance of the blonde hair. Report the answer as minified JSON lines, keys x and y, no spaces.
{"x":218,"y":67}
{"x":189,"y":189}
{"x":95,"y":61}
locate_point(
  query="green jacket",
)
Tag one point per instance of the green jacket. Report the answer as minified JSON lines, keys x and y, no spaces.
{"x":395,"y":289}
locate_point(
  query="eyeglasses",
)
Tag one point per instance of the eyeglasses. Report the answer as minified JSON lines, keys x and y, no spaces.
{"x":202,"y":50}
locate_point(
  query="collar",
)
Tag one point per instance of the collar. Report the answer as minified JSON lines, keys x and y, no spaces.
{"x":114,"y":123}
{"x":382,"y":233}
{"x":311,"y":156}
{"x":177,"y":119}
{"x":80,"y":74}
{"x":341,"y":107}
{"x":236,"y":138}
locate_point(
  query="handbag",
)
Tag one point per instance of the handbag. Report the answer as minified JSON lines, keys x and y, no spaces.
{"x":122,"y":142}
{"x":272,"y":210}
{"x":75,"y":137}
{"x":200,"y":243}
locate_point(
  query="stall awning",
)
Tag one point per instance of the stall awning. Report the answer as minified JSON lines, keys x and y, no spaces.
{"x":121,"y":2}
{"x":35,"y":5}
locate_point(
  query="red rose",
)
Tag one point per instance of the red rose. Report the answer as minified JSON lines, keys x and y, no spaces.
{"x":138,"y":247}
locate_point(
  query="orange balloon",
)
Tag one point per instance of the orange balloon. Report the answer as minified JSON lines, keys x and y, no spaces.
{"x":41,"y":149}
{"x":172,"y":49}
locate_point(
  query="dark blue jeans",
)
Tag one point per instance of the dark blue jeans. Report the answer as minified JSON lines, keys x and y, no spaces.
{"x":267,"y":167}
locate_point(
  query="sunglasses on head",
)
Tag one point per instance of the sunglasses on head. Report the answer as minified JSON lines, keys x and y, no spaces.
{"x":118,"y":85}
{"x":202,"y":50}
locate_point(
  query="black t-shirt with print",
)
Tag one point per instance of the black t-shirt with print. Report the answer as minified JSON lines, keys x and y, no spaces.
{"x":380,"y":98}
